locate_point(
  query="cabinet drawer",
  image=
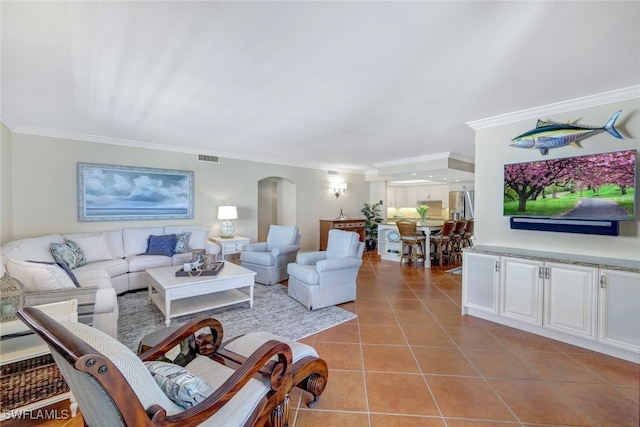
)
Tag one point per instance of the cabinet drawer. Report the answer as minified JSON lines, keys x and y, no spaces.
{"x":230,"y":248}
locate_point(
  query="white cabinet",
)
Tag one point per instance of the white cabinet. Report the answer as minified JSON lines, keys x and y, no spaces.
{"x":480,"y":280}
{"x":521,"y":290}
{"x":570,"y":295}
{"x":580,"y":303}
{"x":397,"y":196}
{"x":619,"y":307}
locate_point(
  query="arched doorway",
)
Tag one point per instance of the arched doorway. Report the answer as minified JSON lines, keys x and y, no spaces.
{"x":276,"y":204}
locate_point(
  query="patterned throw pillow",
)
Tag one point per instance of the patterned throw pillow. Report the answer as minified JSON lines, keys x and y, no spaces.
{"x":68,"y":253}
{"x":161,"y":245}
{"x":182,"y":243}
{"x":183,"y":387}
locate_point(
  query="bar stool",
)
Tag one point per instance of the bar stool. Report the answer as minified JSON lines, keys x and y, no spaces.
{"x":413,"y":243}
{"x":441,"y":242}
{"x":467,"y":235}
{"x":456,"y":241}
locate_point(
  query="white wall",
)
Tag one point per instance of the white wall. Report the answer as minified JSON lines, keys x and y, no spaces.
{"x":45,"y":188}
{"x":493,"y":152}
{"x":6,"y":231}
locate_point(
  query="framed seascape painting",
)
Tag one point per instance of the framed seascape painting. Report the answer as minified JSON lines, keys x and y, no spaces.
{"x":124,"y":193}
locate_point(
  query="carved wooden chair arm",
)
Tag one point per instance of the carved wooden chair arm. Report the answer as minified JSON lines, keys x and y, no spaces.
{"x":206,"y":344}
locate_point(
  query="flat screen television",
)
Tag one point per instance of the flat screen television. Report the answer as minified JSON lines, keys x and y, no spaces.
{"x":593,"y":187}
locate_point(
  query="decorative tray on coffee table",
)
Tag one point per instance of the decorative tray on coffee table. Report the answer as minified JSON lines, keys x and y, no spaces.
{"x":217,"y":266}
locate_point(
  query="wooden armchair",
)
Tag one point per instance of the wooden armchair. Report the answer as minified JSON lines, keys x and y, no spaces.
{"x":113,"y":387}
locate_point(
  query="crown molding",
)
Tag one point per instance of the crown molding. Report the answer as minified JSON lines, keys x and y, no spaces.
{"x":76,"y":136}
{"x":618,"y":95}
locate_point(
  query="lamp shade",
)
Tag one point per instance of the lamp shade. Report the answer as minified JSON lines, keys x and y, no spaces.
{"x":227,"y":212}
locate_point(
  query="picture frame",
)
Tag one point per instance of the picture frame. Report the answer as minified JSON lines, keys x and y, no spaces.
{"x":130,"y":193}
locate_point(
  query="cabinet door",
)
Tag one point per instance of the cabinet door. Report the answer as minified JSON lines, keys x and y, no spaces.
{"x":521,"y":290}
{"x":619,"y":312}
{"x":570,"y":294}
{"x":480,"y":281}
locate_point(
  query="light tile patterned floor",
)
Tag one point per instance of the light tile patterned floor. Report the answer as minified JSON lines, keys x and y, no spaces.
{"x":411,"y":359}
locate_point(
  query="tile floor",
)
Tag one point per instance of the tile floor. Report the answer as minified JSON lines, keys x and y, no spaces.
{"x":411,"y":359}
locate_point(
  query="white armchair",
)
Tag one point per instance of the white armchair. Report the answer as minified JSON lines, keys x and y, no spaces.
{"x":324,"y":278}
{"x":269,"y":259}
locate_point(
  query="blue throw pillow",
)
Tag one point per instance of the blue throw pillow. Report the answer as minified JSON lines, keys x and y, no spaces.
{"x":69,"y":253}
{"x":161,"y":245}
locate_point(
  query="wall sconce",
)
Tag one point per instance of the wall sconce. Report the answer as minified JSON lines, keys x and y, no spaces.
{"x":227,"y":229}
{"x":339,"y":188}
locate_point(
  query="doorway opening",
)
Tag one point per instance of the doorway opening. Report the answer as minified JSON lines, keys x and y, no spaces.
{"x":276,"y":204}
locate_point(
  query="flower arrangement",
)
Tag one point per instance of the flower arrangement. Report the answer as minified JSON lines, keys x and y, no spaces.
{"x":422,"y":211}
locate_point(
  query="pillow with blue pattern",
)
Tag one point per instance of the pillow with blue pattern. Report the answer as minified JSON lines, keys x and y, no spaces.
{"x":69,"y":253}
{"x":182,"y":243}
{"x":161,"y":245}
{"x":181,"y":386}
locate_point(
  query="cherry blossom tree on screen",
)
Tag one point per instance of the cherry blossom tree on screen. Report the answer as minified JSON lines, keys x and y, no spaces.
{"x":528,"y":180}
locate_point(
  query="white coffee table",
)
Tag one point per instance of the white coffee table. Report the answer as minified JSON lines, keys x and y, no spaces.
{"x":177,"y":296}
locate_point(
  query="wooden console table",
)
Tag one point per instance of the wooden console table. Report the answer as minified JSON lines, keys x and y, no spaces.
{"x":356,"y":225}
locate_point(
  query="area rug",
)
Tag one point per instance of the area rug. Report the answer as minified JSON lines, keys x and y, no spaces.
{"x":273,"y":311}
{"x":457,"y":270}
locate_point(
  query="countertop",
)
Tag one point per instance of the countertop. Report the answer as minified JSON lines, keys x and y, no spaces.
{"x":589,"y":261}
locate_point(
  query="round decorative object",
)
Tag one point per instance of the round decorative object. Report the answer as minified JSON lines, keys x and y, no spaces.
{"x":393,"y":236}
{"x":11,"y":297}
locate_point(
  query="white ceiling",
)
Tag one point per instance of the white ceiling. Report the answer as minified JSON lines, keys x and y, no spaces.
{"x":344,"y":86}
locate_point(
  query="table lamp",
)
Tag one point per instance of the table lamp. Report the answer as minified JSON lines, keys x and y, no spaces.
{"x":227,"y":229}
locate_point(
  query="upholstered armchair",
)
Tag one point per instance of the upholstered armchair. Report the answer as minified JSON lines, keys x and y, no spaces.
{"x":324,"y":278}
{"x":269,"y":259}
{"x":115,"y":387}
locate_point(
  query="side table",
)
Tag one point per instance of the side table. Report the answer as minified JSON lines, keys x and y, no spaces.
{"x":25,"y":358}
{"x":231,"y":245}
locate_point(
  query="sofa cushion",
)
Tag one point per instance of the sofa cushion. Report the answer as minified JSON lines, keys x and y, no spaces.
{"x":161,"y":245}
{"x":199,"y":234}
{"x":37,"y":277}
{"x":181,"y":386}
{"x":182,"y":243}
{"x":69,"y":253}
{"x":36,"y":248}
{"x":145,"y":262}
{"x":111,"y":267}
{"x":64,"y":267}
{"x":94,"y":246}
{"x":135,"y":239}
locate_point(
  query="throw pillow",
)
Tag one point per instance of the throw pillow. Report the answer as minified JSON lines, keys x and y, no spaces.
{"x":182,"y":243}
{"x":95,"y":247}
{"x":181,"y":386}
{"x":66,"y":269}
{"x":38,"y":277}
{"x":161,"y":245}
{"x":68,"y":253}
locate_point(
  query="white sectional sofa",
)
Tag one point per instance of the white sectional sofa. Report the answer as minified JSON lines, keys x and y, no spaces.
{"x":115,"y":263}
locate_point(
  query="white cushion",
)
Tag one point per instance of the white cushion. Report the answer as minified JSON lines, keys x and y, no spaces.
{"x":136,"y":239}
{"x":248,"y":343}
{"x":38,"y":277}
{"x":39,"y":248}
{"x":342,"y":244}
{"x":199,"y":234}
{"x":280,"y":235}
{"x":94,"y":246}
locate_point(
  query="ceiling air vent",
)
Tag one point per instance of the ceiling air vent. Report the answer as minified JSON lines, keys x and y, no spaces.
{"x":205,"y":158}
{"x":332,"y":172}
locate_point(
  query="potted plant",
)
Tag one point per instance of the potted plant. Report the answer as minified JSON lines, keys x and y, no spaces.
{"x":372,"y":213}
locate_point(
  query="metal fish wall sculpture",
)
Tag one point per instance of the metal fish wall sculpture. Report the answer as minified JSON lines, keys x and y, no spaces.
{"x":549,"y":135}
